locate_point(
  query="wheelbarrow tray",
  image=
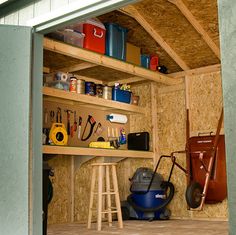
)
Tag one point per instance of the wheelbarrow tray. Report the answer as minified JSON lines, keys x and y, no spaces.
{"x":217,"y":187}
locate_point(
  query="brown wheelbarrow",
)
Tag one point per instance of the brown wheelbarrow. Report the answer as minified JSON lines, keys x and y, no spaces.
{"x":206,"y":168}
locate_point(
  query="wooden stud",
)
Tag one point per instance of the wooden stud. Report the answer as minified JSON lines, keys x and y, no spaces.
{"x":189,"y":16}
{"x":77,"y":67}
{"x":108,"y":190}
{"x":46,"y":70}
{"x":126,"y":81}
{"x":91,"y":197}
{"x":72,"y":186}
{"x":202,"y":70}
{"x":105,"y":61}
{"x":117,"y":197}
{"x":155,"y":139}
{"x":133,"y":12}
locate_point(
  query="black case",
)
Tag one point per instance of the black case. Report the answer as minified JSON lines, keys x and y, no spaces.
{"x":138,"y":141}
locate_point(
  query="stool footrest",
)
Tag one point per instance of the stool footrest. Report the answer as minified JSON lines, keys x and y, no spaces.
{"x":106,"y":212}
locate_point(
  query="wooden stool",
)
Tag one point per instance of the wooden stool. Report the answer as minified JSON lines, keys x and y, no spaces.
{"x":108,"y":209}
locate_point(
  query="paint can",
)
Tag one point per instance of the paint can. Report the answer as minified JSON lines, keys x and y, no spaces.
{"x":80,"y":86}
{"x":107,"y":93}
{"x":73,"y":83}
{"x":99,"y":90}
{"x":90,"y":88}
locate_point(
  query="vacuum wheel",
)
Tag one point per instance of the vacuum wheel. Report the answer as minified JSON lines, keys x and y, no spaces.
{"x":193,"y":195}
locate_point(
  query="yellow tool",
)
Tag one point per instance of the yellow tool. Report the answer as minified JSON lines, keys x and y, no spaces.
{"x":58,"y":134}
{"x":100,"y":144}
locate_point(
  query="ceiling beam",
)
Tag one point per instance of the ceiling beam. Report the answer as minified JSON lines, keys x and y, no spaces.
{"x":197,"y":71}
{"x":134,"y":13}
{"x":189,"y":16}
{"x":77,"y":67}
{"x":127,"y":81}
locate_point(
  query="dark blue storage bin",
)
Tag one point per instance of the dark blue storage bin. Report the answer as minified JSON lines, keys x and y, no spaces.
{"x":145,"y":61}
{"x":121,"y":95}
{"x":116,"y":41}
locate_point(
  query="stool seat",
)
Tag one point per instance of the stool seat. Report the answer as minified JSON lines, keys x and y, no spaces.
{"x":104,"y":193}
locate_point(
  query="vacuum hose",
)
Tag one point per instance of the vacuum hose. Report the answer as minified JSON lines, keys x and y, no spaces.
{"x":165,"y":185}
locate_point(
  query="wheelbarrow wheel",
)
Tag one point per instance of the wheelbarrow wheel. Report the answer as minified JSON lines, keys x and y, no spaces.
{"x":193,"y":195}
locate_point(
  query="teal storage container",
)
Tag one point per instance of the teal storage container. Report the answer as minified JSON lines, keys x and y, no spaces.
{"x":145,"y":61}
{"x":116,"y":41}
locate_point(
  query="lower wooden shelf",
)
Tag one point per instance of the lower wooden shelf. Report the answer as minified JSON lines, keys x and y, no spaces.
{"x":83,"y":151}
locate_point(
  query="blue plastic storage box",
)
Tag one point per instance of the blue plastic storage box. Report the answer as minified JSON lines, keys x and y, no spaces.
{"x":145,"y":61}
{"x":116,"y":41}
{"x":121,"y":95}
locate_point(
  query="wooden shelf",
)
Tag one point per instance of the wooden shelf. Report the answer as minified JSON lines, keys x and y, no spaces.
{"x":83,"y":151}
{"x":106,"y":61}
{"x":53,"y":94}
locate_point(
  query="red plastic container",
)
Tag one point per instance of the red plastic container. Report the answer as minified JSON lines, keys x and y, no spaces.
{"x":154,"y":61}
{"x":94,"y":39}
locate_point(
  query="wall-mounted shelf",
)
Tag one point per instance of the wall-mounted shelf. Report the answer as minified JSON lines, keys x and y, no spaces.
{"x":83,"y":151}
{"x":106,"y":61}
{"x":57,"y":95}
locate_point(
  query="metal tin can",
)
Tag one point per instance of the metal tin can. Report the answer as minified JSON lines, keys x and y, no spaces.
{"x":107,"y":91}
{"x":99,"y":90}
{"x":80,"y":86}
{"x":73,"y":84}
{"x":90,"y":88}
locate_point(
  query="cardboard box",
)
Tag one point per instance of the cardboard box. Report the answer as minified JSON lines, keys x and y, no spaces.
{"x":132,"y":54}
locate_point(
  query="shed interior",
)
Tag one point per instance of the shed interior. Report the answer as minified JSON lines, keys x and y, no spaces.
{"x":185,"y":36}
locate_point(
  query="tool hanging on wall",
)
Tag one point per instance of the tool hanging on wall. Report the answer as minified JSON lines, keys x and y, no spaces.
{"x":79,"y":127}
{"x":52,"y":115}
{"x":59,"y":119}
{"x":75,"y":122}
{"x":92,"y":123}
{"x":99,"y":129}
{"x":73,"y":128}
{"x":68,"y":112}
{"x":58,"y":135}
{"x":45,"y":116}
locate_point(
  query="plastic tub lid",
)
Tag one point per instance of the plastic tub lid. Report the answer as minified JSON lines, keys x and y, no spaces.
{"x":95,"y":22}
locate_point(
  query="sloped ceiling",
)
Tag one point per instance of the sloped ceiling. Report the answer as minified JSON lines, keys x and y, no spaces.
{"x":175,"y":29}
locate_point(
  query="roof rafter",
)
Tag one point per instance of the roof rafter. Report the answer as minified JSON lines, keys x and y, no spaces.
{"x":134,"y":13}
{"x":189,"y":16}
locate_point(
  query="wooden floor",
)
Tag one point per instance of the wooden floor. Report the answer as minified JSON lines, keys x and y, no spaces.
{"x":175,"y":227}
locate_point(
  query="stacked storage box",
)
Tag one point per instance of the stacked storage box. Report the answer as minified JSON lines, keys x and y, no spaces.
{"x":116,"y":41}
{"x":95,"y":35}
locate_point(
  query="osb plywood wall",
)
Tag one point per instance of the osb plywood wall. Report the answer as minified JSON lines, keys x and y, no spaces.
{"x":205,"y":106}
{"x":60,"y":207}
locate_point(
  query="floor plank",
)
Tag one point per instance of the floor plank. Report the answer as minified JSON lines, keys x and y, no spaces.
{"x":169,"y":227}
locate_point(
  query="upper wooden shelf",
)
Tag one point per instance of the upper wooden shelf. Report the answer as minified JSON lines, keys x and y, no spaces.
{"x":53,"y":94}
{"x":83,"y":151}
{"x":106,"y":61}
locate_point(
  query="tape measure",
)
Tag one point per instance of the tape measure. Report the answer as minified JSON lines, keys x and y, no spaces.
{"x":58,"y":134}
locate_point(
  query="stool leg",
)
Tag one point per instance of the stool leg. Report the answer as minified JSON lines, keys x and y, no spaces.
{"x":117,"y":197}
{"x":99,"y":207}
{"x":91,"y":197}
{"x":108,"y":191}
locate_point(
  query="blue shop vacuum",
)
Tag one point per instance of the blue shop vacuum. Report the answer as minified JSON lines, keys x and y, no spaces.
{"x":150,"y":195}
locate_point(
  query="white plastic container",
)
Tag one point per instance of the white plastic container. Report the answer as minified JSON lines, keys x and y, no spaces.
{"x":118,"y":118}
